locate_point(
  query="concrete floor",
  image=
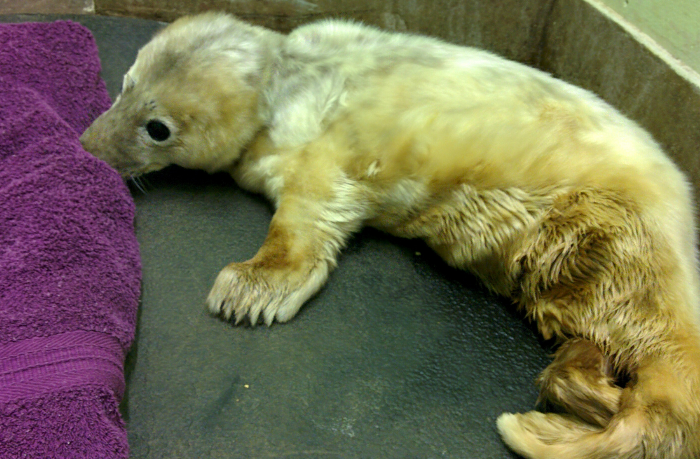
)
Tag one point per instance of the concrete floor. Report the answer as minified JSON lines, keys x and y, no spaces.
{"x":47,"y":7}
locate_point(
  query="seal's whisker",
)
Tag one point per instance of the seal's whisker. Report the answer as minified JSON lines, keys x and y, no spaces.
{"x":137,"y":183}
{"x":144,"y":181}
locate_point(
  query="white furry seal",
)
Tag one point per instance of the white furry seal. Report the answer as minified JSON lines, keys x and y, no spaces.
{"x":549,"y":195}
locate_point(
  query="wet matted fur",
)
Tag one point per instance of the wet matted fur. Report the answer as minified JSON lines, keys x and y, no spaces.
{"x":542,"y":190}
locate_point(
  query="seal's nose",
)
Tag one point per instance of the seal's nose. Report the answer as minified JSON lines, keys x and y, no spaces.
{"x":94,"y":139}
{"x":86,"y":140}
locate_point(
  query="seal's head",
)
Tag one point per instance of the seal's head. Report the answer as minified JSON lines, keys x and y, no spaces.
{"x":191,"y":98}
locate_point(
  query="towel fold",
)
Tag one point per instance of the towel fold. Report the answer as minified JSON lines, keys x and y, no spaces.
{"x":69,"y":262}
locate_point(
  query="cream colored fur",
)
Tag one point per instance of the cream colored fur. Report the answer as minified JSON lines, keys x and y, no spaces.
{"x":544,"y":191}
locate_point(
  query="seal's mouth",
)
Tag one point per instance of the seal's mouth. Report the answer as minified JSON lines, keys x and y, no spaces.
{"x":135,"y":170}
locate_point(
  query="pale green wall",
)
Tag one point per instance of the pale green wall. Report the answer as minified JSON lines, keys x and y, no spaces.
{"x":674,"y":24}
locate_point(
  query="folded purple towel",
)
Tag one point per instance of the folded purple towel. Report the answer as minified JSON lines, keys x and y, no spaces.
{"x":69,"y":262}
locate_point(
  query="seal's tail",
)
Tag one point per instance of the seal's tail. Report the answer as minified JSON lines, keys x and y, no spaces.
{"x":657,"y":416}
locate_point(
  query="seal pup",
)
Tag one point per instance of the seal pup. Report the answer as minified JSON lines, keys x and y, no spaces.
{"x":545,"y":192}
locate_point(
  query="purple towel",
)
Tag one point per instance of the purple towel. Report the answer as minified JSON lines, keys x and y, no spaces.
{"x":69,"y":262}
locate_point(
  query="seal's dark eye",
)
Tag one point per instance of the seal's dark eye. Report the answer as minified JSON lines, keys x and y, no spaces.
{"x":157,"y":130}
